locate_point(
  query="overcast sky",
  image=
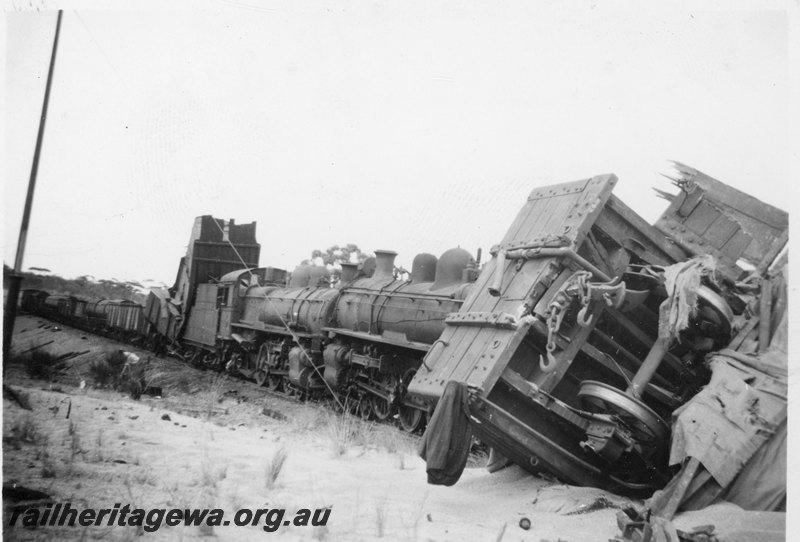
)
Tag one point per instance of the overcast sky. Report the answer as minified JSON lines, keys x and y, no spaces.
{"x":412,"y":126}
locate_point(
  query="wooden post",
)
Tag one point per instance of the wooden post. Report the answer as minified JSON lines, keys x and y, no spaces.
{"x":16,"y":278}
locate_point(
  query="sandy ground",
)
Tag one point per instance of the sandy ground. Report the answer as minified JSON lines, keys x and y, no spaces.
{"x":96,"y":447}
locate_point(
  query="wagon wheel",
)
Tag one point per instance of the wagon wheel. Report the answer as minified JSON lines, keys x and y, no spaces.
{"x":647,"y":427}
{"x":384,"y":409}
{"x":714,"y":312}
{"x":411,"y":418}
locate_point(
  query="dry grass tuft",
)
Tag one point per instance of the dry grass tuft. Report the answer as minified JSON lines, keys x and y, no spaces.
{"x":210,"y":475}
{"x":346,"y":431}
{"x":274,"y":466}
{"x":320,"y":532}
{"x":308,"y":420}
{"x":381,"y":513}
{"x":47,"y":459}
{"x":26,"y":430}
{"x":214,"y":393}
{"x":341,"y":432}
{"x":145,"y":477}
{"x":99,"y":451}
{"x":75,"y":447}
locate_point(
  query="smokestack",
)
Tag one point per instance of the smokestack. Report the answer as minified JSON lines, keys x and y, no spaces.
{"x":384,"y":264}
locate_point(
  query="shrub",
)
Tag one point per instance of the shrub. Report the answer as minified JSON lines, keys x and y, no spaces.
{"x":39,"y":364}
{"x":26,"y":430}
{"x":103,"y":373}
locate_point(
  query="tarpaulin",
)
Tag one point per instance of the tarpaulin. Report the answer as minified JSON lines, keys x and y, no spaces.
{"x":682,"y":283}
{"x":724,"y":425}
{"x":445,"y":444}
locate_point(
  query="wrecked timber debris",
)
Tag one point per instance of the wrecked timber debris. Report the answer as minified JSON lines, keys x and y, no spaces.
{"x":636,"y":358}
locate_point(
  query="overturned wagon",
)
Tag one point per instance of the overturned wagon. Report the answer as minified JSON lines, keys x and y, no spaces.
{"x":589,"y":327}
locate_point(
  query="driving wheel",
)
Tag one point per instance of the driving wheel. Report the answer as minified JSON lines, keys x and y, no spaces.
{"x":411,"y":418}
{"x":365,"y":409}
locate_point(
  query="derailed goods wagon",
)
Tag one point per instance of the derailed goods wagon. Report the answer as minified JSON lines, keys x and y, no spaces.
{"x":31,"y":300}
{"x":59,"y":306}
{"x":589,"y":328}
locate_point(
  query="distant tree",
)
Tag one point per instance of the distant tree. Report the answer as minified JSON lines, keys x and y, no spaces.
{"x":336,"y":255}
{"x":85,"y":287}
{"x":333,"y":258}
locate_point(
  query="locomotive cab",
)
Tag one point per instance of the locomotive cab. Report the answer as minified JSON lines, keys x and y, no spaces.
{"x":219,"y":304}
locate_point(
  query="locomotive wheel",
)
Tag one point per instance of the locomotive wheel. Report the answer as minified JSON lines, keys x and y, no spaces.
{"x":647,"y":427}
{"x":274,"y":382}
{"x":384,"y":409}
{"x":365,"y":409}
{"x":411,"y":418}
{"x":261,"y":372}
{"x":261,"y":376}
{"x":381,"y":408}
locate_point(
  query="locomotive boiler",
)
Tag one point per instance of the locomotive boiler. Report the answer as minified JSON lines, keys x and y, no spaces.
{"x":361,"y":340}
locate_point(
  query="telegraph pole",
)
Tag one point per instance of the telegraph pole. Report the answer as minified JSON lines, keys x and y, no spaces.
{"x":16,"y":277}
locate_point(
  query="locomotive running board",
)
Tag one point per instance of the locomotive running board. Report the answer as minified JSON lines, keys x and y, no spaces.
{"x":405,"y":343}
{"x":278,"y":330}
